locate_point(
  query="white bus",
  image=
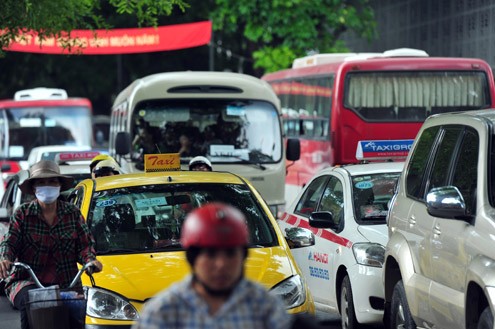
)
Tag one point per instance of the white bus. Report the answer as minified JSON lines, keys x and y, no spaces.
{"x":232,"y":119}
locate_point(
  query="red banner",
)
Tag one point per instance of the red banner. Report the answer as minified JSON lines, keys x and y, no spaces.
{"x":118,"y":41}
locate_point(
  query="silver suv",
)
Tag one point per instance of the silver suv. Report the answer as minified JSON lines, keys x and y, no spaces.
{"x":440,"y":258}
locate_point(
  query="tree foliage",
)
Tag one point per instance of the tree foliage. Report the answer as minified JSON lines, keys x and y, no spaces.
{"x":52,"y":17}
{"x":267,"y":35}
{"x":278,"y":31}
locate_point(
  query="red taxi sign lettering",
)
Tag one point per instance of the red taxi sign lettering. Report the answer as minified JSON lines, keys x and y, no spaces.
{"x":383,"y":149}
{"x":77,"y":156}
{"x":161,"y":162}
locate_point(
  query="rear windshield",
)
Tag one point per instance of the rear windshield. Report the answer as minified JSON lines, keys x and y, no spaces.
{"x":149,"y":218}
{"x":371,"y":194}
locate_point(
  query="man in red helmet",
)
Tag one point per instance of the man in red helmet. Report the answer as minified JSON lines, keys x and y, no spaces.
{"x":216,"y":295}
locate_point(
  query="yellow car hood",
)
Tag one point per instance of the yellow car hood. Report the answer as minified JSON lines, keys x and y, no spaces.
{"x":140,"y":276}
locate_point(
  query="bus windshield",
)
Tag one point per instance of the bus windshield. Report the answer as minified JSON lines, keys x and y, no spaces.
{"x":224,"y":130}
{"x":23,"y":128}
{"x":414,"y":95}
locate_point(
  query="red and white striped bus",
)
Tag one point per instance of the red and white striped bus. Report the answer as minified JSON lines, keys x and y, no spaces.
{"x":331,"y":102}
{"x":39,"y":117}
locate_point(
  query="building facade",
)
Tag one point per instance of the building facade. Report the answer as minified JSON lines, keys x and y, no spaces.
{"x":450,"y":28}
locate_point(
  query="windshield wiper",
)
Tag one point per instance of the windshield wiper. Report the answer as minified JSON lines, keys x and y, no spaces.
{"x":255,"y":163}
{"x":165,"y":246}
{"x":113,"y":251}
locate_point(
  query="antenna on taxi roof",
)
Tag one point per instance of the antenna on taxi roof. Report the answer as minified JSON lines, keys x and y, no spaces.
{"x":156,"y":145}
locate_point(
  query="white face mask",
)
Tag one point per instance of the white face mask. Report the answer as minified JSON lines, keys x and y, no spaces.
{"x":47,"y":194}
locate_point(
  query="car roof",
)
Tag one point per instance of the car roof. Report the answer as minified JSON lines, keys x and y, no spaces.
{"x":36,"y":152}
{"x":75,"y":169}
{"x":169,"y":177}
{"x":367,"y":168}
{"x":488,"y":114}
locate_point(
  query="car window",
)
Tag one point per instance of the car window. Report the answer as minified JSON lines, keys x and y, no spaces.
{"x":466,"y":170}
{"x":150,"y":217}
{"x":333,"y":201}
{"x":311,"y":197}
{"x":443,"y":157}
{"x":9,"y":195}
{"x":419,"y":160}
{"x":76,"y":196}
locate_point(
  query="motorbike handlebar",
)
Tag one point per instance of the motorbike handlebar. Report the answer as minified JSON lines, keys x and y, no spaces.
{"x":28,"y":268}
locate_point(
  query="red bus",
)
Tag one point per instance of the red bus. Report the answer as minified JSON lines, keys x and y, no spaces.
{"x":38,"y":117}
{"x":333,"y":101}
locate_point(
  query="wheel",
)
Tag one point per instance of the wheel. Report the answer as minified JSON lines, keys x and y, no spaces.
{"x":400,"y":315}
{"x":486,"y":319}
{"x":347,"y":313}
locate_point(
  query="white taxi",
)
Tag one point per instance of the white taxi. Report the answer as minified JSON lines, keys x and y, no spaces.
{"x":345,"y":209}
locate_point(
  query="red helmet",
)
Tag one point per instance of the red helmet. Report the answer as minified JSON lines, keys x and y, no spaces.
{"x":214,"y":225}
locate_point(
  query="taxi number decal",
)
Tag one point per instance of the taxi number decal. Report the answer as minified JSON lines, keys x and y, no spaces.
{"x":144,"y":203}
{"x":106,"y":203}
{"x":364,"y":185}
{"x":319,"y":273}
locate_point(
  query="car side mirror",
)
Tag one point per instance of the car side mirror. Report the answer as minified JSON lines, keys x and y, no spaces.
{"x":122,"y":143}
{"x":293,"y":150}
{"x":298,"y":237}
{"x":322,"y":219}
{"x":446,"y":202}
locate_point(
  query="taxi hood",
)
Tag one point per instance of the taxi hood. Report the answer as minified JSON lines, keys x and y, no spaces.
{"x":374,"y":233}
{"x":141,"y":276}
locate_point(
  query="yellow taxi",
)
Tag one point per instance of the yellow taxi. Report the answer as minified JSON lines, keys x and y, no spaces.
{"x":136,"y":221}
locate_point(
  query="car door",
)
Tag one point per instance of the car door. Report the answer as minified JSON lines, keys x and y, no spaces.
{"x":310,"y":259}
{"x":415,"y":223}
{"x":448,"y":247}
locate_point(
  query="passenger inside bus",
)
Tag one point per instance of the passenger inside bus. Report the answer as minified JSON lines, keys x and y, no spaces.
{"x":209,"y":138}
{"x":169,"y":141}
{"x":144,"y":140}
{"x":187,"y":147}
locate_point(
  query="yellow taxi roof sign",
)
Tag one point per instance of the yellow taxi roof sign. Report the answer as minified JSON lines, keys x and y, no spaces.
{"x":161,"y":162}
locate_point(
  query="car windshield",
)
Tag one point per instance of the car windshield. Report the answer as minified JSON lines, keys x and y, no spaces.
{"x":149,"y":218}
{"x":36,"y":126}
{"x":225,"y":131}
{"x":371,"y":194}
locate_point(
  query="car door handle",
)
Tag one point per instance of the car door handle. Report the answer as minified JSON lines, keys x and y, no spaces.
{"x":437,"y":230}
{"x":412,"y":221}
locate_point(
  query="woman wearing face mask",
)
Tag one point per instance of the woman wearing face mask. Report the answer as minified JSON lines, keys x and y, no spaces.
{"x":48,"y":234}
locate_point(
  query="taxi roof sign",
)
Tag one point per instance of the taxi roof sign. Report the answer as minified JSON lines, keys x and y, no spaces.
{"x":75,"y":156}
{"x":383,"y":149}
{"x":161,"y":162}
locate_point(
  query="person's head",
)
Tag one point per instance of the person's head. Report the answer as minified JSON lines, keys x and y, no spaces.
{"x":200,"y":163}
{"x":96,"y":160}
{"x":184,"y":140}
{"x":216,"y":237}
{"x":106,"y":168}
{"x":209,"y":133}
{"x":46,"y":182}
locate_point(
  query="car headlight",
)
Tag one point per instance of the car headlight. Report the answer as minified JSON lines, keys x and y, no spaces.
{"x":107,"y":305}
{"x":291,"y":291}
{"x":369,"y":254}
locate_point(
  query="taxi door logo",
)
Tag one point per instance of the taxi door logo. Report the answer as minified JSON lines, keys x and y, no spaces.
{"x":318,"y":272}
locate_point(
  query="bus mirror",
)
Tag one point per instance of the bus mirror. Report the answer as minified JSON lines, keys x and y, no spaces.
{"x":293,"y":152}
{"x":122,"y":143}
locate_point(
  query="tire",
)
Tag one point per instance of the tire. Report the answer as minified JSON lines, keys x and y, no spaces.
{"x":486,"y":319}
{"x":347,"y":312}
{"x":400,"y":315}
